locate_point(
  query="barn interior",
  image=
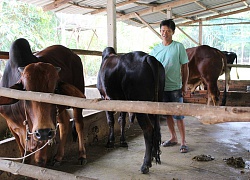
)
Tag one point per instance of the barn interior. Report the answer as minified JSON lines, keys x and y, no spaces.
{"x":221,"y":141}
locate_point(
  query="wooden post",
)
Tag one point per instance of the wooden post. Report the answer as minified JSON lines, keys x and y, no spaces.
{"x":111,"y":23}
{"x":200,"y":33}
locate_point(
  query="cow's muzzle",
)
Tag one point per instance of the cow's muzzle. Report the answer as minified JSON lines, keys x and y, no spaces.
{"x":44,"y":134}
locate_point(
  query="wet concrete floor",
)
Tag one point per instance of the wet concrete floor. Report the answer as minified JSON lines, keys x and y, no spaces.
{"x":220,"y":141}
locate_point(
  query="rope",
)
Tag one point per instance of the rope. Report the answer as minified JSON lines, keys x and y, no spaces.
{"x":25,"y":156}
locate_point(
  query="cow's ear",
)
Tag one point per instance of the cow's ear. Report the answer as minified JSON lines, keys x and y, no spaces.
{"x":58,"y":69}
{"x":20,"y":69}
{"x":69,"y":90}
{"x":7,"y":100}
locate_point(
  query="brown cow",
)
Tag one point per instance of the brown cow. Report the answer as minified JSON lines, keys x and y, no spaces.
{"x":206,"y":64}
{"x":55,"y":69}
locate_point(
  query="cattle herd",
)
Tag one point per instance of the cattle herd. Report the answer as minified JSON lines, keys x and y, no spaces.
{"x":132,"y":76}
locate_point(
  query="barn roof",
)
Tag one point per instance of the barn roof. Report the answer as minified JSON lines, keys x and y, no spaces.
{"x":149,"y":12}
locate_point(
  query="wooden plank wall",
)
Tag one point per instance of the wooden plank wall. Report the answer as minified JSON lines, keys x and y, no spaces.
{"x":237,"y":95}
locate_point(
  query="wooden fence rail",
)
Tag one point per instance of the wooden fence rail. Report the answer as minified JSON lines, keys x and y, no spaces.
{"x":206,"y":114}
{"x":40,"y":173}
{"x":5,"y":55}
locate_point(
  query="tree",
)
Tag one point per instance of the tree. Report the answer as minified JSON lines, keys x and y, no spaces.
{"x":21,"y":20}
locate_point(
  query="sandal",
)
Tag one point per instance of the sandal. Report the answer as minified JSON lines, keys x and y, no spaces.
{"x":168,"y":143}
{"x":183,"y":149}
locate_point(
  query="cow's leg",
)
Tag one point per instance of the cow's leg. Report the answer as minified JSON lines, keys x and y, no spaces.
{"x":155,"y":120}
{"x":147,"y":129}
{"x":213,"y":93}
{"x":122,"y":122}
{"x":63,"y":121}
{"x":79,"y":124}
{"x":131,"y":117}
{"x":195,"y":86}
{"x":21,"y":142}
{"x":111,"y":122}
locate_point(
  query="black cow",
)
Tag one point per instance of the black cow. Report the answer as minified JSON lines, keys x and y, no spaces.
{"x":133,"y":76}
{"x":231,"y":57}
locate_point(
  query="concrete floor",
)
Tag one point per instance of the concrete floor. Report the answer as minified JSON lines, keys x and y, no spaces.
{"x":220,"y":141}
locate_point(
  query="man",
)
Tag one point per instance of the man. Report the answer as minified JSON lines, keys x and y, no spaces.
{"x":173,"y":56}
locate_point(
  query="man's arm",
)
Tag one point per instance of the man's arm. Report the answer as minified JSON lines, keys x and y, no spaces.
{"x":185,"y":75}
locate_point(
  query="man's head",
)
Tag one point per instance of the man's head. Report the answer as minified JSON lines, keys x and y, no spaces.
{"x":167,"y":29}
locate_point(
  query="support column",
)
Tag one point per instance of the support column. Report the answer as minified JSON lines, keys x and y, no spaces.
{"x":200,"y":33}
{"x":169,"y":13}
{"x":111,"y":23}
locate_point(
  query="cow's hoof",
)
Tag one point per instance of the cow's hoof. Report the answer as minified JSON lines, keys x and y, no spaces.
{"x":144,"y":169}
{"x":82,"y":160}
{"x":123,"y":144}
{"x":56,"y":163}
{"x":110,"y":145}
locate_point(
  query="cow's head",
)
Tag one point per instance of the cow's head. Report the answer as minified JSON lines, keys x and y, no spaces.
{"x":41,"y":77}
{"x":108,"y":51}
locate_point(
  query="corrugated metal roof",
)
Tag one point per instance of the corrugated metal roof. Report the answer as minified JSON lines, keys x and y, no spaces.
{"x":151,"y":11}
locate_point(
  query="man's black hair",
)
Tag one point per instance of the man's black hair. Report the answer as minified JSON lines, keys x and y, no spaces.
{"x":169,"y":23}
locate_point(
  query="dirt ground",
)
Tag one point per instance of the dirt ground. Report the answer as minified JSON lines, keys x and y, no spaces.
{"x":220,"y":141}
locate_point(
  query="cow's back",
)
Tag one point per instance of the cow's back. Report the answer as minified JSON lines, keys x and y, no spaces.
{"x":205,"y":62}
{"x":132,"y":76}
{"x":70,"y":64}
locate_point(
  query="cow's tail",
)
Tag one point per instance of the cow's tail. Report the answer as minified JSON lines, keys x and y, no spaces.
{"x":155,"y":67}
{"x":224,"y":98}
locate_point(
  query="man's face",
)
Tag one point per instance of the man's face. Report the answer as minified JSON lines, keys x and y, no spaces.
{"x":166,"y":32}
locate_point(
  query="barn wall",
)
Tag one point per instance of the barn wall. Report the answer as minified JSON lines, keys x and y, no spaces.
{"x":237,"y":95}
{"x":234,"y":85}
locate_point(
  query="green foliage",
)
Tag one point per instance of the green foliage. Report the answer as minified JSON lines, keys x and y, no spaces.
{"x":21,"y":20}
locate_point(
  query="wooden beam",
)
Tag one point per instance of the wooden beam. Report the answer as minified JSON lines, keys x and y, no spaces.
{"x":221,"y":24}
{"x":36,"y":172}
{"x":213,"y":8}
{"x":117,"y":5}
{"x":206,"y":114}
{"x":176,"y":16}
{"x":55,"y":4}
{"x":111,"y":24}
{"x":200,"y":33}
{"x":84,"y":6}
{"x":158,"y":8}
{"x":188,"y":36}
{"x":245,"y":2}
{"x":87,"y":52}
{"x":205,"y":7}
{"x":5,"y":55}
{"x":144,"y":22}
{"x":238,"y":65}
{"x":215,"y":16}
